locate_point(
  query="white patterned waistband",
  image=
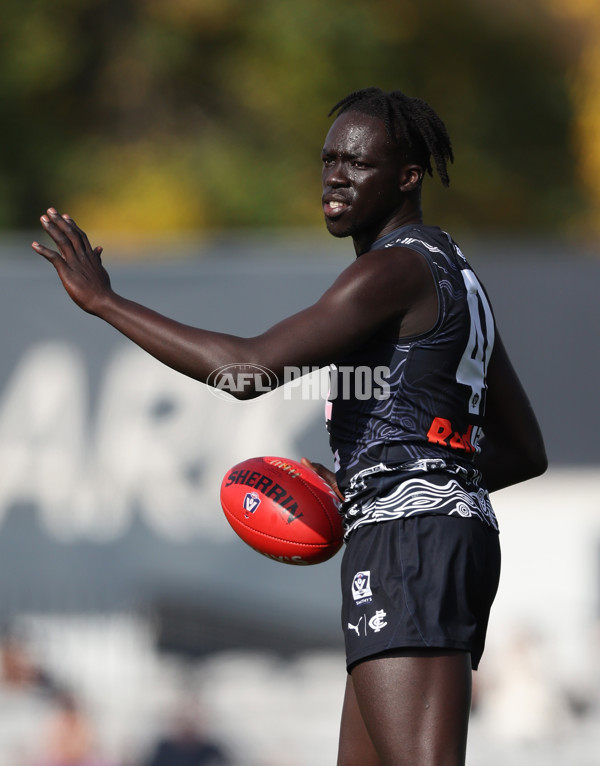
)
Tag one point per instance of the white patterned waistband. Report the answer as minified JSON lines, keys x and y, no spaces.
{"x":422,"y":487}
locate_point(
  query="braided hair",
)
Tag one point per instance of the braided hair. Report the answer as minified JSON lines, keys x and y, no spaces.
{"x":408,"y":121}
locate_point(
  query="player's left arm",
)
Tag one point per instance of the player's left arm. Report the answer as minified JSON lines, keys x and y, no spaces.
{"x":512,"y":449}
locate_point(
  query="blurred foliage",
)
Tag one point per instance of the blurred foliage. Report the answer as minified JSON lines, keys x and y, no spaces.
{"x":152,"y":116}
{"x":585,"y":95}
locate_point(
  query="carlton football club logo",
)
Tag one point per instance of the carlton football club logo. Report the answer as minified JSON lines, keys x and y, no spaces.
{"x":251,"y":502}
{"x":377,"y":622}
{"x":361,"y":587}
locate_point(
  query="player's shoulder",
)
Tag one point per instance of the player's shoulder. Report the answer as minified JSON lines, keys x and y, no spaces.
{"x":396,"y":262}
{"x":377,"y":266}
{"x":384,"y":281}
{"x":409,"y":242}
{"x":414,"y":236}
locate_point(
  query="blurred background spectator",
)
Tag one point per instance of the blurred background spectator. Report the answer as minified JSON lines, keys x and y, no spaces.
{"x":188,"y":742}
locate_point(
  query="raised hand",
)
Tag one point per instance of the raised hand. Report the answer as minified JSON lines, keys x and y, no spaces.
{"x":78,"y":264}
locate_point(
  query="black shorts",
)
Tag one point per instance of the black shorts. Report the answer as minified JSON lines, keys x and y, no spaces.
{"x":419,"y":582}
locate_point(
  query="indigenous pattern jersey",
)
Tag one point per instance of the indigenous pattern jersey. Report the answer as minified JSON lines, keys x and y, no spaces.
{"x":414,"y":400}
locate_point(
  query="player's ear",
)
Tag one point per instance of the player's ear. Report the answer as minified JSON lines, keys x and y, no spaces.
{"x":410,"y":177}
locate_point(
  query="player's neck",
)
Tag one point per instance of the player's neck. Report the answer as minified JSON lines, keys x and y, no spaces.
{"x":408,"y":215}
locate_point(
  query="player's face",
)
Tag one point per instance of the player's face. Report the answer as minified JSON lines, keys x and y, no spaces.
{"x":363,"y":179}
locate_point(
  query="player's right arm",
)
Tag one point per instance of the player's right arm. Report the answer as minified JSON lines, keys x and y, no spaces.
{"x":380,"y":287}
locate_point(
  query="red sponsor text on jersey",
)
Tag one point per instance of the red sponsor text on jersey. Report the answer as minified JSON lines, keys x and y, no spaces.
{"x":442,"y":432}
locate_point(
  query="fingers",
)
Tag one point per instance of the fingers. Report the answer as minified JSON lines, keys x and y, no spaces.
{"x":78,"y":265}
{"x":324,"y":473}
{"x":50,"y":255}
{"x":69,"y":221}
{"x":70,"y":239}
{"x":49,"y":222}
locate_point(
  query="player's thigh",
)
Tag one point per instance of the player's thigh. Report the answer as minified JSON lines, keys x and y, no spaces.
{"x":415,"y":706}
{"x":355,"y":746}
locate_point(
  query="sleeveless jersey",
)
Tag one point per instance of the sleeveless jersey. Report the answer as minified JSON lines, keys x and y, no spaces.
{"x":396,"y":401}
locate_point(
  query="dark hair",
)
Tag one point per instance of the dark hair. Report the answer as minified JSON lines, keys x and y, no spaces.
{"x":408,"y":121}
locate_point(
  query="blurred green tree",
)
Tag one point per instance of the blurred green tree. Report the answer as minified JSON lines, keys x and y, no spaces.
{"x":152,"y":116}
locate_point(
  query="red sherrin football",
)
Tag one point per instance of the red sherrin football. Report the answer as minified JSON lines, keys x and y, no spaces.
{"x":283,"y":510}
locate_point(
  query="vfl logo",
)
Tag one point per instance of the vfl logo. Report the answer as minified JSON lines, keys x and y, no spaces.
{"x":361,"y":586}
{"x":251,"y":502}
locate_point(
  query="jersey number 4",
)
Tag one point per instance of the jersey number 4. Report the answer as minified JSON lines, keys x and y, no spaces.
{"x":472,"y":369}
